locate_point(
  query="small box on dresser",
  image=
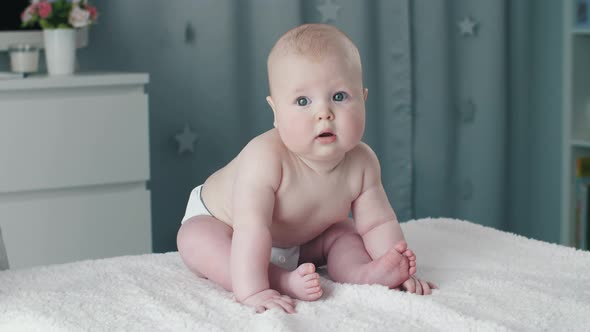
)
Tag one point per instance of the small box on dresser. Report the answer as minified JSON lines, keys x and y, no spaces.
{"x":74,"y":167}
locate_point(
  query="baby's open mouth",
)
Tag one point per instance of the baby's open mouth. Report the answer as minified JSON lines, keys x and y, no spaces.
{"x":325,"y":135}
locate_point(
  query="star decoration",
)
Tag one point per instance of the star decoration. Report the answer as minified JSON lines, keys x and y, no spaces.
{"x":186,"y":140}
{"x":329,"y":11}
{"x":467,"y":27}
{"x":189,"y":34}
{"x":398,"y":53}
{"x":466,"y":190}
{"x":468,"y":111}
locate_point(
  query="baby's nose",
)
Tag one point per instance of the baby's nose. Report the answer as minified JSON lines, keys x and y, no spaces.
{"x":325,"y":115}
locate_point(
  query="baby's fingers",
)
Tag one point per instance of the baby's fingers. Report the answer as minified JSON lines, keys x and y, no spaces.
{"x":288,"y":299}
{"x":288,"y":306}
{"x":419,"y":290}
{"x":284,"y":303}
{"x":409,"y":285}
{"x":425,"y":288}
{"x":272,"y":305}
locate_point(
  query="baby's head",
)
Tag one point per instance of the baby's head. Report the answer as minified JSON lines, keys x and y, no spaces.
{"x":313,"y":41}
{"x":315,"y":80}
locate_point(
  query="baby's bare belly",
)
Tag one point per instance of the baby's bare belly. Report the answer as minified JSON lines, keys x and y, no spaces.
{"x":296,"y":219}
{"x":285,"y":235}
{"x":305,"y":204}
{"x":289,"y":232}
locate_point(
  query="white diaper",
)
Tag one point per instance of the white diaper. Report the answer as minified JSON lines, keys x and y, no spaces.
{"x":195,"y":206}
{"x":287,"y":258}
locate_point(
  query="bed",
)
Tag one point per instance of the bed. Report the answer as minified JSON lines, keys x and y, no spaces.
{"x":488,"y":280}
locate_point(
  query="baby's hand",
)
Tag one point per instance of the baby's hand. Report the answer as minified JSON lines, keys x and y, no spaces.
{"x":270,"y":299}
{"x":417,"y":286}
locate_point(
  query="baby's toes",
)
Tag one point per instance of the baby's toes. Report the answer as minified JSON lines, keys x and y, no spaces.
{"x":314,"y":293}
{"x":410,"y":255}
{"x":312,"y":280}
{"x":311,"y":276}
{"x":312,"y":290}
{"x":401,"y":247}
{"x":306,"y":269}
{"x":412,"y":271}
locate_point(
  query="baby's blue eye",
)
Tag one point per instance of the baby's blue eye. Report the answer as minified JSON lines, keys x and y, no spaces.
{"x":302,"y":101}
{"x":339,"y":96}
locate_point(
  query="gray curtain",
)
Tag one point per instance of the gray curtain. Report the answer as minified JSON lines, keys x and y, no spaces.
{"x":206,"y":61}
{"x":461,"y":103}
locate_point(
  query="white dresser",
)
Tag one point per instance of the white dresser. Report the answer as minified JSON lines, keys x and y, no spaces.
{"x":74,"y":164}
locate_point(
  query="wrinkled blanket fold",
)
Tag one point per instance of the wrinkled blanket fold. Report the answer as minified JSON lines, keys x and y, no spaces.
{"x":488,"y":280}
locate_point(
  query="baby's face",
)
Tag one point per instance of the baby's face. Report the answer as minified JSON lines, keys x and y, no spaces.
{"x":319,"y":104}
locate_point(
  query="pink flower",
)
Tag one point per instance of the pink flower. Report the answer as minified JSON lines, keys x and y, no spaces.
{"x":28,"y":13}
{"x":93,"y":12}
{"x":44,"y":9}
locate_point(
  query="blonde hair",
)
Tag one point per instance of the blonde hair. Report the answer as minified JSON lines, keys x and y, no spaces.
{"x":315,"y":41}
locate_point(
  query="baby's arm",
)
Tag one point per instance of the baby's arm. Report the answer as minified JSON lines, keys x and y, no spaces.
{"x":257,"y":178}
{"x":374,"y":217}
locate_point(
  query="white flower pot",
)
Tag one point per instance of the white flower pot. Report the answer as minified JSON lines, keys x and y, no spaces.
{"x":60,"y":51}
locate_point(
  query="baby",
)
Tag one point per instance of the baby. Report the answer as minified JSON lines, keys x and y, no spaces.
{"x":262,"y":224}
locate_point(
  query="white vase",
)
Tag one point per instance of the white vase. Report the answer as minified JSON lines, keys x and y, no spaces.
{"x":60,"y":51}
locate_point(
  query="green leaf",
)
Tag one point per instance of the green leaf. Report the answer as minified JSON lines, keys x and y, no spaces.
{"x":58,"y":5}
{"x":45,"y":25}
{"x":63,"y":26}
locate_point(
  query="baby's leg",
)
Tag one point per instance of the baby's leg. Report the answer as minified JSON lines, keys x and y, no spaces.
{"x":204,"y":244}
{"x":349,"y":262}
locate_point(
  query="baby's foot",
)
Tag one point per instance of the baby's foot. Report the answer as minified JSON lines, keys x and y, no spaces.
{"x":410,"y":256}
{"x":391,"y":269}
{"x":303,"y":283}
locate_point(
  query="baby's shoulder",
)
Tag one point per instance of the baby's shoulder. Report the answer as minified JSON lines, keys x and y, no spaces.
{"x":263,"y":149}
{"x":259,"y":163}
{"x":366,"y":162}
{"x":362,"y":154}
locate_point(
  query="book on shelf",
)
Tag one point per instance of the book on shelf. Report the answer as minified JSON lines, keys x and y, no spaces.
{"x":582,"y":189}
{"x":581,"y":13}
{"x":583,"y":167}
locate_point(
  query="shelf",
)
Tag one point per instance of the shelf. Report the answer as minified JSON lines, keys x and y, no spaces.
{"x":581,"y":31}
{"x":581,"y":143}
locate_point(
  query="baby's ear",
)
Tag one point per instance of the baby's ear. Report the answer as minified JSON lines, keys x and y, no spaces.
{"x":365,"y":93}
{"x":272,"y":107}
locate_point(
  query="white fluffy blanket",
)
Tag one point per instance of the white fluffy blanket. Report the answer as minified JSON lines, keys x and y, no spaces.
{"x":489,"y":280}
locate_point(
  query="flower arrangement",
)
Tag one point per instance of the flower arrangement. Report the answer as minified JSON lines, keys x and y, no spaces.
{"x":59,"y":14}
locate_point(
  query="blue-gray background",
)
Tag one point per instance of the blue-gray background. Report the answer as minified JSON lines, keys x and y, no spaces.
{"x":465,"y":126}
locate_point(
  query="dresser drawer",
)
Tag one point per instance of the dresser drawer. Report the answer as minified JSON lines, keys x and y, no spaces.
{"x":73,"y":141}
{"x":62,"y":226}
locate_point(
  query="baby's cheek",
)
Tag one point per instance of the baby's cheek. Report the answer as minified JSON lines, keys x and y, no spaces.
{"x":294,"y":133}
{"x":356,"y":127}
